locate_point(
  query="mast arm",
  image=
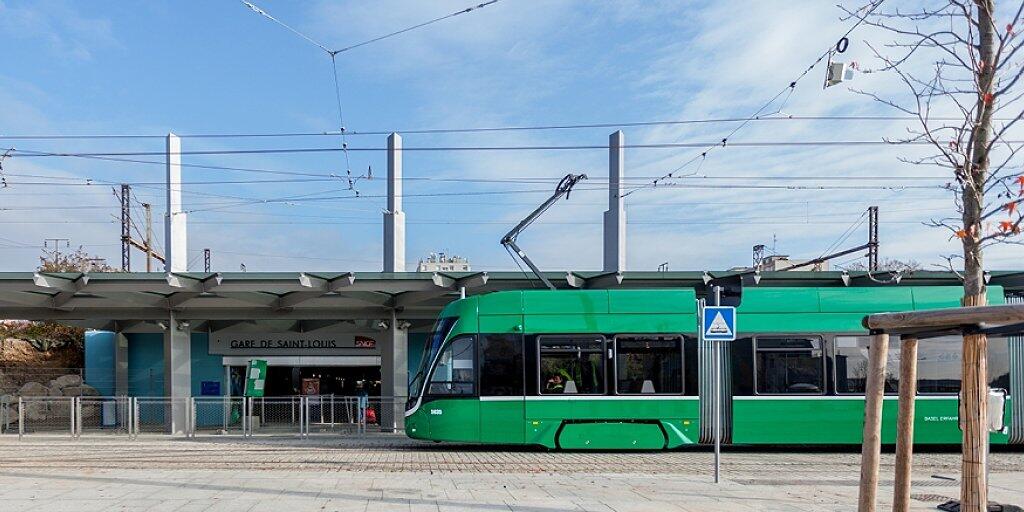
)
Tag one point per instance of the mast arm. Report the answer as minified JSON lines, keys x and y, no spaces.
{"x":509,"y":240}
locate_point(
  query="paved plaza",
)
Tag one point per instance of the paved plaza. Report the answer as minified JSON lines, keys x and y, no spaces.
{"x":386,"y":472}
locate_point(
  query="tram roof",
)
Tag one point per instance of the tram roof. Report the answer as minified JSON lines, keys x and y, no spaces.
{"x":313,"y":300}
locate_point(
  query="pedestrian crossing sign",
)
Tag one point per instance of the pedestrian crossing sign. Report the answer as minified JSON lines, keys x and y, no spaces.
{"x":719,"y":323}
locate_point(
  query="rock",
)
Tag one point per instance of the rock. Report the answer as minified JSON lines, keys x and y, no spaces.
{"x":82,"y":390}
{"x":59,"y":409}
{"x":90,"y":411}
{"x":67,"y":380}
{"x":33,"y":389}
{"x":35,"y":411}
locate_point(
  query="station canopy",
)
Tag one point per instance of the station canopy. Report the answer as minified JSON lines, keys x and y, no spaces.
{"x":306,"y":301}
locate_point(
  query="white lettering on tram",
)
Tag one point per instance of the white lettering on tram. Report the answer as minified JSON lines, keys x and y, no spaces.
{"x":941,"y":418}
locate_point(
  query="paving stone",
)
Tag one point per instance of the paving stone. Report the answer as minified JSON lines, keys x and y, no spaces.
{"x":341,"y":473}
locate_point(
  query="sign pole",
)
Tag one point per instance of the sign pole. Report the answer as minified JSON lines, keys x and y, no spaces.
{"x":717,"y":360}
{"x":718,"y":324}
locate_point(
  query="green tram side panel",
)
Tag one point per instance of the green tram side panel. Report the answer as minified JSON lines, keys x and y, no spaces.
{"x":840,"y":420}
{"x":456,"y":419}
{"x":788,"y":419}
{"x":601,"y":423}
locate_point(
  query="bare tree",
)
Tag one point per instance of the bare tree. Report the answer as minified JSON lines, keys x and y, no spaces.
{"x":960,"y":62}
{"x":77,"y":261}
{"x":892,"y":265}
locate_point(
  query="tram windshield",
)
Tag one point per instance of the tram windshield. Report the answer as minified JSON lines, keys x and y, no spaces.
{"x":430,"y":350}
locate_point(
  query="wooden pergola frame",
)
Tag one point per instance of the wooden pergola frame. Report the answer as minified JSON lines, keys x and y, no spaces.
{"x":913,"y":326}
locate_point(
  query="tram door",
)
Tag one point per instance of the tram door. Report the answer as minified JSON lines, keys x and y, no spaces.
{"x":453,"y":409}
{"x":502,"y":405}
{"x":706,"y":373}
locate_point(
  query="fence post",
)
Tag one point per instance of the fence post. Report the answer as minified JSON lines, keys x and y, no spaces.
{"x":137,"y":417}
{"x":871,"y":449}
{"x":71,"y":415}
{"x":191,"y":417}
{"x":21,"y":418}
{"x":78,"y":416}
{"x":127,"y":404}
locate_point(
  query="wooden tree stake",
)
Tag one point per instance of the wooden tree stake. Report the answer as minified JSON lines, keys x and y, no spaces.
{"x":871,"y":449}
{"x":905,"y":426}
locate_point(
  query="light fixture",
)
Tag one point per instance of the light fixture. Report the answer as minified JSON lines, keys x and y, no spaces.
{"x":987,"y":276}
{"x":706,"y":277}
{"x":846,"y":278}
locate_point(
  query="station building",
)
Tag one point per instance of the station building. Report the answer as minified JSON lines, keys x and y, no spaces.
{"x":191,"y":334}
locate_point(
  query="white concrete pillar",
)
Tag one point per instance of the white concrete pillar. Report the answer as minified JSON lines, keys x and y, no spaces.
{"x":615,"y":217}
{"x":120,"y":364}
{"x":394,"y":375}
{"x":394,"y":217}
{"x":177,"y":373}
{"x":175,"y":229}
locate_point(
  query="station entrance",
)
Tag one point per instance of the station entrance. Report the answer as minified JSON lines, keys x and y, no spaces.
{"x":314,"y":380}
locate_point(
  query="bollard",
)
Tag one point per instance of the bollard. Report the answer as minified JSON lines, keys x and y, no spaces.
{"x":21,"y":418}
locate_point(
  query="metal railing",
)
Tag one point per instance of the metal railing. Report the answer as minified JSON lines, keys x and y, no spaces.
{"x":200,"y":416}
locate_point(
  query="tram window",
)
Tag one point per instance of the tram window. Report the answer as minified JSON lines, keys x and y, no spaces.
{"x":572,"y":365}
{"x":939,"y":360}
{"x":501,"y":365}
{"x":455,"y":370}
{"x":999,"y":362}
{"x":649,"y":364}
{"x":938,"y":365}
{"x":851,"y":364}
{"x":789,"y":365}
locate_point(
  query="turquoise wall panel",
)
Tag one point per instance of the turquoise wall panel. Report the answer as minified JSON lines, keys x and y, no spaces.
{"x":205,"y":367}
{"x":146,"y":364}
{"x":99,"y":361}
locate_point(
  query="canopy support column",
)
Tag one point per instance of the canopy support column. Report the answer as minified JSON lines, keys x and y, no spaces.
{"x":177,"y":374}
{"x":120,"y":364}
{"x":394,"y":373}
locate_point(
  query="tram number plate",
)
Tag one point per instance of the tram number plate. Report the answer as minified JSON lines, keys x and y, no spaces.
{"x":436,"y":412}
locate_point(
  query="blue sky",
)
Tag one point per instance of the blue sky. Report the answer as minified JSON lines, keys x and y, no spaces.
{"x":216,"y":67}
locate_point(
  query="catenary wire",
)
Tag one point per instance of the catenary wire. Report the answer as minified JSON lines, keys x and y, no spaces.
{"x":481,"y":129}
{"x":790,"y":88}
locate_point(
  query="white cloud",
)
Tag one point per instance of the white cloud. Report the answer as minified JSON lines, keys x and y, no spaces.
{"x":67,"y":31}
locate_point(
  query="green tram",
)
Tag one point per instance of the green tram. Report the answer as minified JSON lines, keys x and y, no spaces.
{"x":623,"y":369}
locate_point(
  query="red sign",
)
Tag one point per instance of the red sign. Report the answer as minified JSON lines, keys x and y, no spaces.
{"x":365,"y":342}
{"x":310,"y":386}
